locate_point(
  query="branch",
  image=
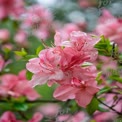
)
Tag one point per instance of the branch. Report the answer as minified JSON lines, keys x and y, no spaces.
{"x":110,"y":107}
{"x":42,"y":101}
{"x":35,"y":101}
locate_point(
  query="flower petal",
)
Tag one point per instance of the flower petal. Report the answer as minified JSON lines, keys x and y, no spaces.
{"x":33,"y":65}
{"x":39,"y":79}
{"x":65,"y":92}
{"x":83,"y":98}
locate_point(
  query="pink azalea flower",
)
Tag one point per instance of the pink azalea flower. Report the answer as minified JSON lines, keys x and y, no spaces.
{"x":119,"y":85}
{"x":49,"y":109}
{"x":63,"y":118}
{"x":110,"y":100}
{"x":78,"y":117}
{"x":71,"y":58}
{"x":46,"y":66}
{"x":37,"y":117}
{"x":4,"y":35}
{"x":8,"y":46}
{"x":81,"y":41}
{"x":66,"y":30}
{"x":21,"y":38}
{"x":82,"y":91}
{"x":37,"y":13}
{"x":39,"y":20}
{"x":105,"y":116}
{"x":24,"y":88}
{"x":41,"y":33}
{"x":22,"y":75}
{"x":110,"y":27}
{"x":8,"y":116}
{"x":65,"y":65}
{"x":13,"y":7}
{"x":53,"y":64}
{"x":16,"y":87}
{"x":2,"y":63}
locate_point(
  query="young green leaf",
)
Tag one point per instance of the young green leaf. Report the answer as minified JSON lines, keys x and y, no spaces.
{"x":39,"y":49}
{"x":105,"y":47}
{"x":93,"y":106}
{"x":20,"y":106}
{"x":21,"y":53}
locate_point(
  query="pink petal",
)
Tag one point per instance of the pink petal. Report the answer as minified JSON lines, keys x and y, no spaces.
{"x":22,"y":75}
{"x":83,"y":98}
{"x":31,"y":94}
{"x":58,"y":39}
{"x":9,"y":80}
{"x":24,"y":88}
{"x":58,"y":75}
{"x":2,"y":63}
{"x":8,"y":117}
{"x":92,"y":90}
{"x":36,"y":118}
{"x":33,"y":65}
{"x":39,"y":79}
{"x":65,"y":92}
{"x":3,"y":12}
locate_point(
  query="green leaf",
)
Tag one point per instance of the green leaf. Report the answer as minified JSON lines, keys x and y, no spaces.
{"x":34,"y":42}
{"x":39,"y":49}
{"x":116,"y":78}
{"x":20,"y":99}
{"x":120,"y":59}
{"x":93,"y":106}
{"x":15,"y":67}
{"x":20,"y":106}
{"x":104,"y":90}
{"x":29,"y":75}
{"x":21,"y":53}
{"x":27,"y":57}
{"x":98,"y":75}
{"x":105,"y":47}
{"x":101,"y":109}
{"x":98,"y":78}
{"x":6,"y":50}
{"x":118,"y":119}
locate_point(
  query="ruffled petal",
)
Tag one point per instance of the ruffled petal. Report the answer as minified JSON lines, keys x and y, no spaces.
{"x":65,"y":92}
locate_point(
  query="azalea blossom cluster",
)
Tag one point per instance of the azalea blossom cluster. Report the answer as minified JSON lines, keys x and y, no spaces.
{"x":69,"y":64}
{"x":38,"y":19}
{"x":17,"y":86}
{"x":11,"y":8}
{"x":8,"y":116}
{"x":110,"y":27}
{"x":67,"y":29}
{"x":83,"y":70}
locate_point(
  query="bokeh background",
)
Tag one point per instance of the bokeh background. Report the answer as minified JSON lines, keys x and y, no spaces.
{"x":34,"y":26}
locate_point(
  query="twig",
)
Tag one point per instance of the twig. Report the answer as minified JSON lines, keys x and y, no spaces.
{"x":119,"y":113}
{"x":42,"y":101}
{"x":35,"y":101}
